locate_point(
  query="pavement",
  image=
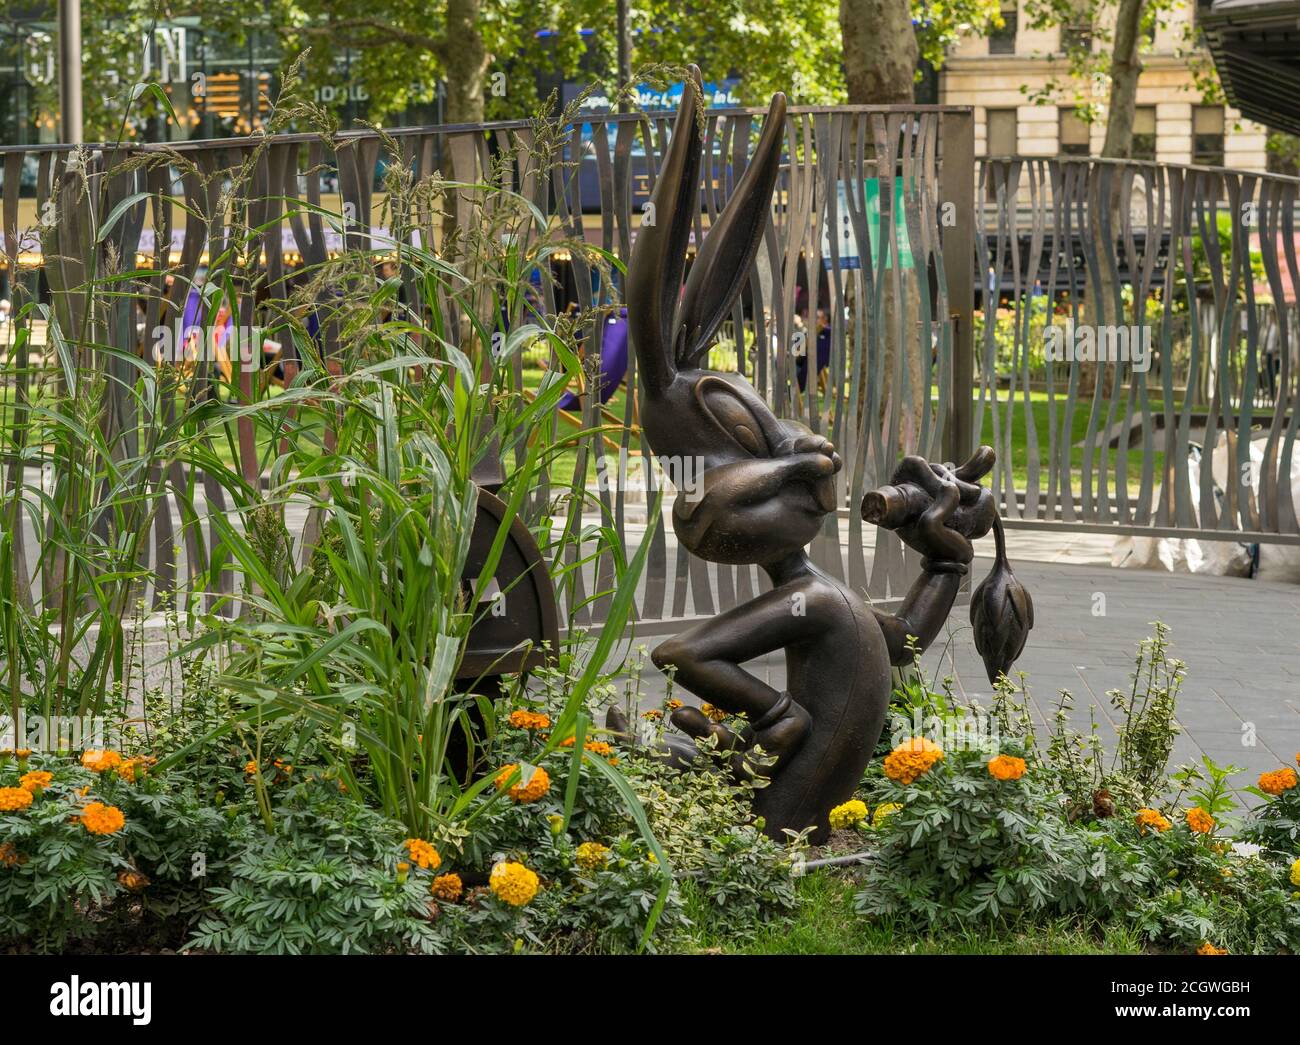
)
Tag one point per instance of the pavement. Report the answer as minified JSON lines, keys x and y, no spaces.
{"x":1238,"y":638}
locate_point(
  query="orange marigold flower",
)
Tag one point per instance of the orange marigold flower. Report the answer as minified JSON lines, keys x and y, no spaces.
{"x":529,"y":720}
{"x":447,"y":887}
{"x":1199,"y":820}
{"x":100,"y":819}
{"x":1209,"y":948}
{"x":1279,"y":780}
{"x":717,"y":714}
{"x":912,"y":759}
{"x":101,"y":761}
{"x":529,"y":790}
{"x":133,"y":768}
{"x":598,"y":747}
{"x":423,"y":853}
{"x":654,"y":714}
{"x":133,"y":881}
{"x":1151,"y":818}
{"x":13,"y":799}
{"x":673,"y":704}
{"x":35,"y":781}
{"x":1006,"y":767}
{"x":9,"y":856}
{"x":250,"y":767}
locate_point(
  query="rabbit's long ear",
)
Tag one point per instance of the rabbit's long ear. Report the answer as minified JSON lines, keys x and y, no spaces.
{"x":722,"y":265}
{"x":654,"y":273}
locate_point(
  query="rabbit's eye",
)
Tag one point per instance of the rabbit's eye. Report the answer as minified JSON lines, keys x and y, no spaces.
{"x":735,"y":419}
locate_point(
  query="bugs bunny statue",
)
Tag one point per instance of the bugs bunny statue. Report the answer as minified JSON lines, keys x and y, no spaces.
{"x":764,"y":485}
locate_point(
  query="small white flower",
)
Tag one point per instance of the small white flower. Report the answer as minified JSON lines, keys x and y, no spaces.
{"x":1245,"y":849}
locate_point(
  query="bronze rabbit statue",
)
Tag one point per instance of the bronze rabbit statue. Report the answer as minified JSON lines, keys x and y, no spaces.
{"x":764,"y":486}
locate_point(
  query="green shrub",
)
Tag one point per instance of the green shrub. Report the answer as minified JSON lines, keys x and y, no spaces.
{"x":326,"y":882}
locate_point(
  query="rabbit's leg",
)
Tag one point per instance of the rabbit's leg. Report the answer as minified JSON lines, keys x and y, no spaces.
{"x":708,"y":660}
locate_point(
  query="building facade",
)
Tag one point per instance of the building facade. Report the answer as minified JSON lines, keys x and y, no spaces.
{"x":1000,"y":75}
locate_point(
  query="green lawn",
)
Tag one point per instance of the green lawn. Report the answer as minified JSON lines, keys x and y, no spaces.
{"x":827,"y":924}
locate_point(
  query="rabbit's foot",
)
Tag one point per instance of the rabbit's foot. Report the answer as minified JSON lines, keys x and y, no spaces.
{"x":780,"y":731}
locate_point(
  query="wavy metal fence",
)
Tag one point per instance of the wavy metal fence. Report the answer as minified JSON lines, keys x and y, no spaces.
{"x":885,"y":232}
{"x":1195,"y":274}
{"x":868,"y":230}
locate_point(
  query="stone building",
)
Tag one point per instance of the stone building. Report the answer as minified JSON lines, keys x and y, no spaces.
{"x":1000,"y":74}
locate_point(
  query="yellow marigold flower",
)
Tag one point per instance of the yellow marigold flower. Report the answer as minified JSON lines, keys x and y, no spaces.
{"x":884,"y":812}
{"x":513,"y":883}
{"x":911,"y":759}
{"x":13,"y":799}
{"x":1209,"y":948}
{"x":100,"y":819}
{"x":35,"y":781}
{"x":447,"y":887}
{"x":1151,"y":818}
{"x":1295,"y":874}
{"x":674,"y":704}
{"x":133,"y":881}
{"x":10,"y":857}
{"x":529,"y":790}
{"x":1279,"y":780}
{"x":1006,"y":767}
{"x":848,"y":813}
{"x":592,"y":856}
{"x":717,"y":714}
{"x":423,"y":853}
{"x":521,"y":719}
{"x":101,"y":761}
{"x":1199,"y":820}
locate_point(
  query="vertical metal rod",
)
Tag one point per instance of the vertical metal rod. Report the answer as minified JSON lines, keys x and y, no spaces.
{"x":70,"y":69}
{"x":624,"y":58}
{"x":957,"y":205}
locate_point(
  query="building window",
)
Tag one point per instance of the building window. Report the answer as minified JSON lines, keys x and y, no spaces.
{"x":1077,"y":36}
{"x":1144,"y":132}
{"x":1000,"y":131}
{"x":1207,"y":135}
{"x":1003,"y":41}
{"x":1075,"y":133}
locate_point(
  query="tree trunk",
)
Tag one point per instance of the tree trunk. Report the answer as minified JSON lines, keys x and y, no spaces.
{"x":465,"y":60}
{"x":1125,"y":68}
{"x":880,"y":51}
